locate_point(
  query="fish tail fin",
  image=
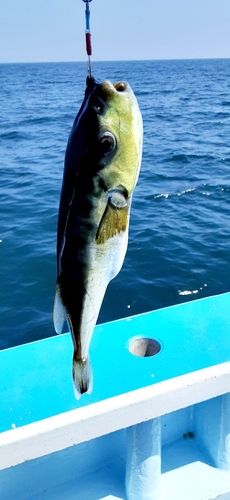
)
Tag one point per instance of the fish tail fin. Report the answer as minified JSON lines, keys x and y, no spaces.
{"x":82,"y":377}
{"x":59,"y":313}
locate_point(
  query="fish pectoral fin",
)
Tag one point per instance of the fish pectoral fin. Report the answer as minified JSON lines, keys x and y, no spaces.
{"x":115,"y":220}
{"x":82,"y":377}
{"x":59,"y":314}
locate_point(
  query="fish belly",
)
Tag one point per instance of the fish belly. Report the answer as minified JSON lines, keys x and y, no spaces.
{"x":105,"y":263}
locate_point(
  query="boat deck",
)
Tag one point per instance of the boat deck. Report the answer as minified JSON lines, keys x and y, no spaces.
{"x":53,"y":446}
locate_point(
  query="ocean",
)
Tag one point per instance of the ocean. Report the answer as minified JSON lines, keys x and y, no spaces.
{"x":179,"y":240}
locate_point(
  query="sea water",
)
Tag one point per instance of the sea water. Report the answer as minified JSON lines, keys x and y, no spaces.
{"x":179,"y":241}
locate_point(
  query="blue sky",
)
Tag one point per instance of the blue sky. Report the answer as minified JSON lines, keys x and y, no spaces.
{"x":53,"y":30}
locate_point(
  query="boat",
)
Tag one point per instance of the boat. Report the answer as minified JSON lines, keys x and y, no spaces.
{"x":155,"y":427}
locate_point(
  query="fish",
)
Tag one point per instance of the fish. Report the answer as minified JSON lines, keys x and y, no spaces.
{"x":102,"y":164}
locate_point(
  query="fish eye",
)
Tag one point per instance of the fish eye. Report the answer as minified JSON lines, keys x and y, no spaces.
{"x":107,"y":143}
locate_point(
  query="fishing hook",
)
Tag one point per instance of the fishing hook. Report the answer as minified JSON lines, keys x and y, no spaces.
{"x":88,"y":35}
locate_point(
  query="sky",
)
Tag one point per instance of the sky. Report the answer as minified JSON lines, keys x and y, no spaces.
{"x":53,"y":30}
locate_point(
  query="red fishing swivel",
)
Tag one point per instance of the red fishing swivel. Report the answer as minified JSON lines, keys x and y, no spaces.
{"x":88,"y":35}
{"x":88,"y":44}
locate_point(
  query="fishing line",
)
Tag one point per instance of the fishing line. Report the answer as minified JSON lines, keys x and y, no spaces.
{"x":88,"y":35}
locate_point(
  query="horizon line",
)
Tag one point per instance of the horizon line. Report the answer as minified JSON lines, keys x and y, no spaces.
{"x":117,"y":60}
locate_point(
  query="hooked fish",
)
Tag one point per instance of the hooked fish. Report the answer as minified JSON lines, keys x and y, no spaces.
{"x":102,"y":164}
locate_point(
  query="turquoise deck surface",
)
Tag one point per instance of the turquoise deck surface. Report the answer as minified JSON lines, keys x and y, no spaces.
{"x":36,"y":378}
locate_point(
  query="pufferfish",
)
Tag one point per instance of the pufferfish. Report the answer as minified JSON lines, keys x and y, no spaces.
{"x":102,"y":164}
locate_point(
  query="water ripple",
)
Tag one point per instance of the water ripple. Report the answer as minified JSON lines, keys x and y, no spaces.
{"x":179,"y":246}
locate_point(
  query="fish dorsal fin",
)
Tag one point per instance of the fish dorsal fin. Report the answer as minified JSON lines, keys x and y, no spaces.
{"x":59,"y":314}
{"x":115,"y":219}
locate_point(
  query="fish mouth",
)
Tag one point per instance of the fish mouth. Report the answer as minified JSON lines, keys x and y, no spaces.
{"x":109,"y":89}
{"x":100,"y":95}
{"x":119,"y":87}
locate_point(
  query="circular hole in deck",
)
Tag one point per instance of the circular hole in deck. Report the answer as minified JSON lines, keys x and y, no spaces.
{"x":144,"y":347}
